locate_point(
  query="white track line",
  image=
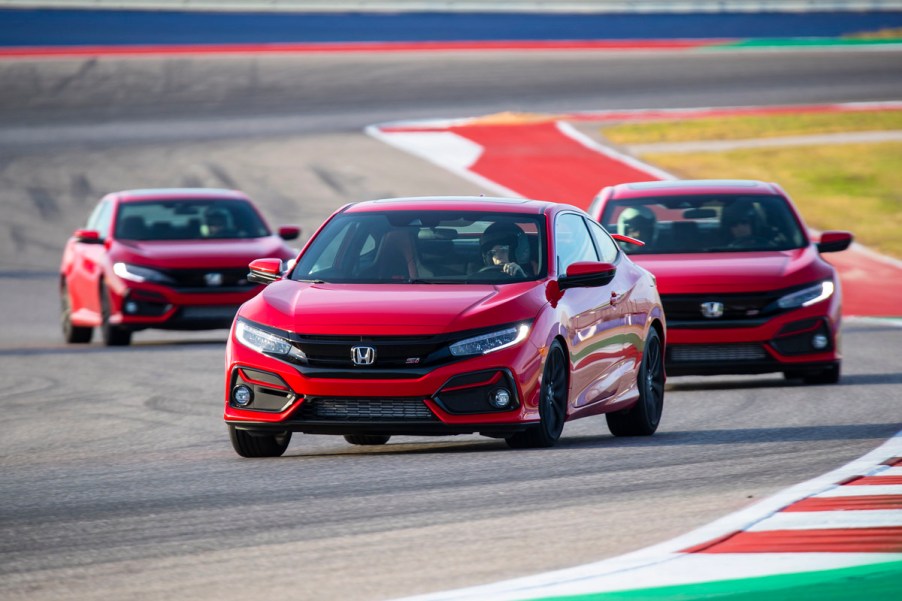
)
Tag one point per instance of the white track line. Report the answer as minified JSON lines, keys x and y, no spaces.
{"x":821,"y":520}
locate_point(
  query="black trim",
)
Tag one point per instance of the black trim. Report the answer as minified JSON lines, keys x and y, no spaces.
{"x":333,"y":359}
{"x":470,"y":395}
{"x":702,"y":368}
{"x":385,"y":428}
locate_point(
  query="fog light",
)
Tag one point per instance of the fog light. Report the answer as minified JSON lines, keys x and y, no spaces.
{"x":242,"y":395}
{"x":500,"y":398}
{"x":819,"y":341}
{"x":131,"y":307}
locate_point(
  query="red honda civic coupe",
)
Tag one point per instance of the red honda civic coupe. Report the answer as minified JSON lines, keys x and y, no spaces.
{"x":168,"y":258}
{"x":440,"y":316}
{"x":745,"y":289}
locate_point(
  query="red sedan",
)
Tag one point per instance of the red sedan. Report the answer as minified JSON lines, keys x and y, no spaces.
{"x":438,"y":316}
{"x":169,"y":258}
{"x":744,"y":287}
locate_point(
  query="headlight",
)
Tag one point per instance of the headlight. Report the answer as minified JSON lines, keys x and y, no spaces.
{"x":807,"y":296}
{"x":264,"y":342}
{"x":487,"y":343}
{"x":136,"y":273}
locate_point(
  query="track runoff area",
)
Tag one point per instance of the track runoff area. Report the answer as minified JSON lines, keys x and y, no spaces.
{"x":838,"y":536}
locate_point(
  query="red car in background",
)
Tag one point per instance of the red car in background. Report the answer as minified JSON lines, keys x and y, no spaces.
{"x":166,"y":258}
{"x":438,"y":316}
{"x":744,"y":288}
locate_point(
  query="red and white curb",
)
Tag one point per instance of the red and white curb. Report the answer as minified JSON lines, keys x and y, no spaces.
{"x":849,"y":517}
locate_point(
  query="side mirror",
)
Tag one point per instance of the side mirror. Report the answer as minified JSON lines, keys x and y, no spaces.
{"x":87,"y":236}
{"x":587,"y":274}
{"x":289,"y":232}
{"x":627,"y":239}
{"x":832,"y":242}
{"x":265,"y":271}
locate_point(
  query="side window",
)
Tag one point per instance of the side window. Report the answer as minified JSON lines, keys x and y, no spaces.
{"x":100,"y":219}
{"x":606,"y":245}
{"x":573,"y":242}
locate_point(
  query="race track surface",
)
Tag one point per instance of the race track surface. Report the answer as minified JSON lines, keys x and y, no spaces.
{"x":117,"y":477}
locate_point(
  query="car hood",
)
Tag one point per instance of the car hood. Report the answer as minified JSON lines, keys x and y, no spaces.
{"x":180,"y":254}
{"x":406,"y":309}
{"x":735,"y":272}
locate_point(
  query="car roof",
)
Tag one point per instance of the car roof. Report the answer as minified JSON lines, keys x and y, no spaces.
{"x":693,"y":187}
{"x":178,"y":193}
{"x":455,"y":203}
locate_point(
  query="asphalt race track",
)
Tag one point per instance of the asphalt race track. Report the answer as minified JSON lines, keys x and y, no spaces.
{"x":117,"y":480}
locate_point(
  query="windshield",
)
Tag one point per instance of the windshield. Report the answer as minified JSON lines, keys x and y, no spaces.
{"x":689,"y":224}
{"x":433,"y":247}
{"x":188,"y":220}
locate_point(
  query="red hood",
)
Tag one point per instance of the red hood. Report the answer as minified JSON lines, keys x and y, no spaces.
{"x":405,"y":309}
{"x":180,"y":254}
{"x":735,"y":272}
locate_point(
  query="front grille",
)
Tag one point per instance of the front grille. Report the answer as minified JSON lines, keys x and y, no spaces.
{"x":232,"y":277}
{"x":736,"y":307}
{"x":390,"y":352}
{"x":365,"y":410}
{"x":715,"y":352}
{"x":209,"y":312}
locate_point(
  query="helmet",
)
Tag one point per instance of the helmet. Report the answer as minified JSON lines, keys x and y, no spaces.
{"x":217,"y":216}
{"x":739,"y":212}
{"x":505,"y":233}
{"x":640,"y":218}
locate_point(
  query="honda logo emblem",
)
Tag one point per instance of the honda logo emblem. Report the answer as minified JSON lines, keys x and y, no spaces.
{"x":363,"y":355}
{"x":712,"y":309}
{"x":213,"y":279}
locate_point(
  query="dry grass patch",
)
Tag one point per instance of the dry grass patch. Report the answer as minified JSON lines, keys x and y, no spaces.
{"x":752,"y":127}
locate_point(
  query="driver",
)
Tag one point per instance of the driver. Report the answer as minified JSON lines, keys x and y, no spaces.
{"x":639,"y":223}
{"x":502,"y":244}
{"x":217,"y":223}
{"x":740,"y":224}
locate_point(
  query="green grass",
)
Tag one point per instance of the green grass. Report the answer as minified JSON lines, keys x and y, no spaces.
{"x":750,"y":127}
{"x":876,"y":582}
{"x":855,"y":187}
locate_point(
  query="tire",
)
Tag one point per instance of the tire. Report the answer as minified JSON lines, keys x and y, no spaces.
{"x":552,"y":405}
{"x":829,"y":375}
{"x":367,"y":439}
{"x":71,"y":334}
{"x":256,"y":444}
{"x":642,"y":419}
{"x":112,"y":335}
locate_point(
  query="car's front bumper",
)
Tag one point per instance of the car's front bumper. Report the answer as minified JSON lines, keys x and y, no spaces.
{"x":139,"y":306}
{"x":804,"y":340}
{"x":449,"y":399}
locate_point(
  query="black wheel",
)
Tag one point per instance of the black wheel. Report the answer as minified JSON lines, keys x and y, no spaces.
{"x":829,"y":375}
{"x":71,"y":334}
{"x":552,"y":405}
{"x":112,"y":335}
{"x":642,"y":419}
{"x":367,"y":439}
{"x":258,"y":444}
